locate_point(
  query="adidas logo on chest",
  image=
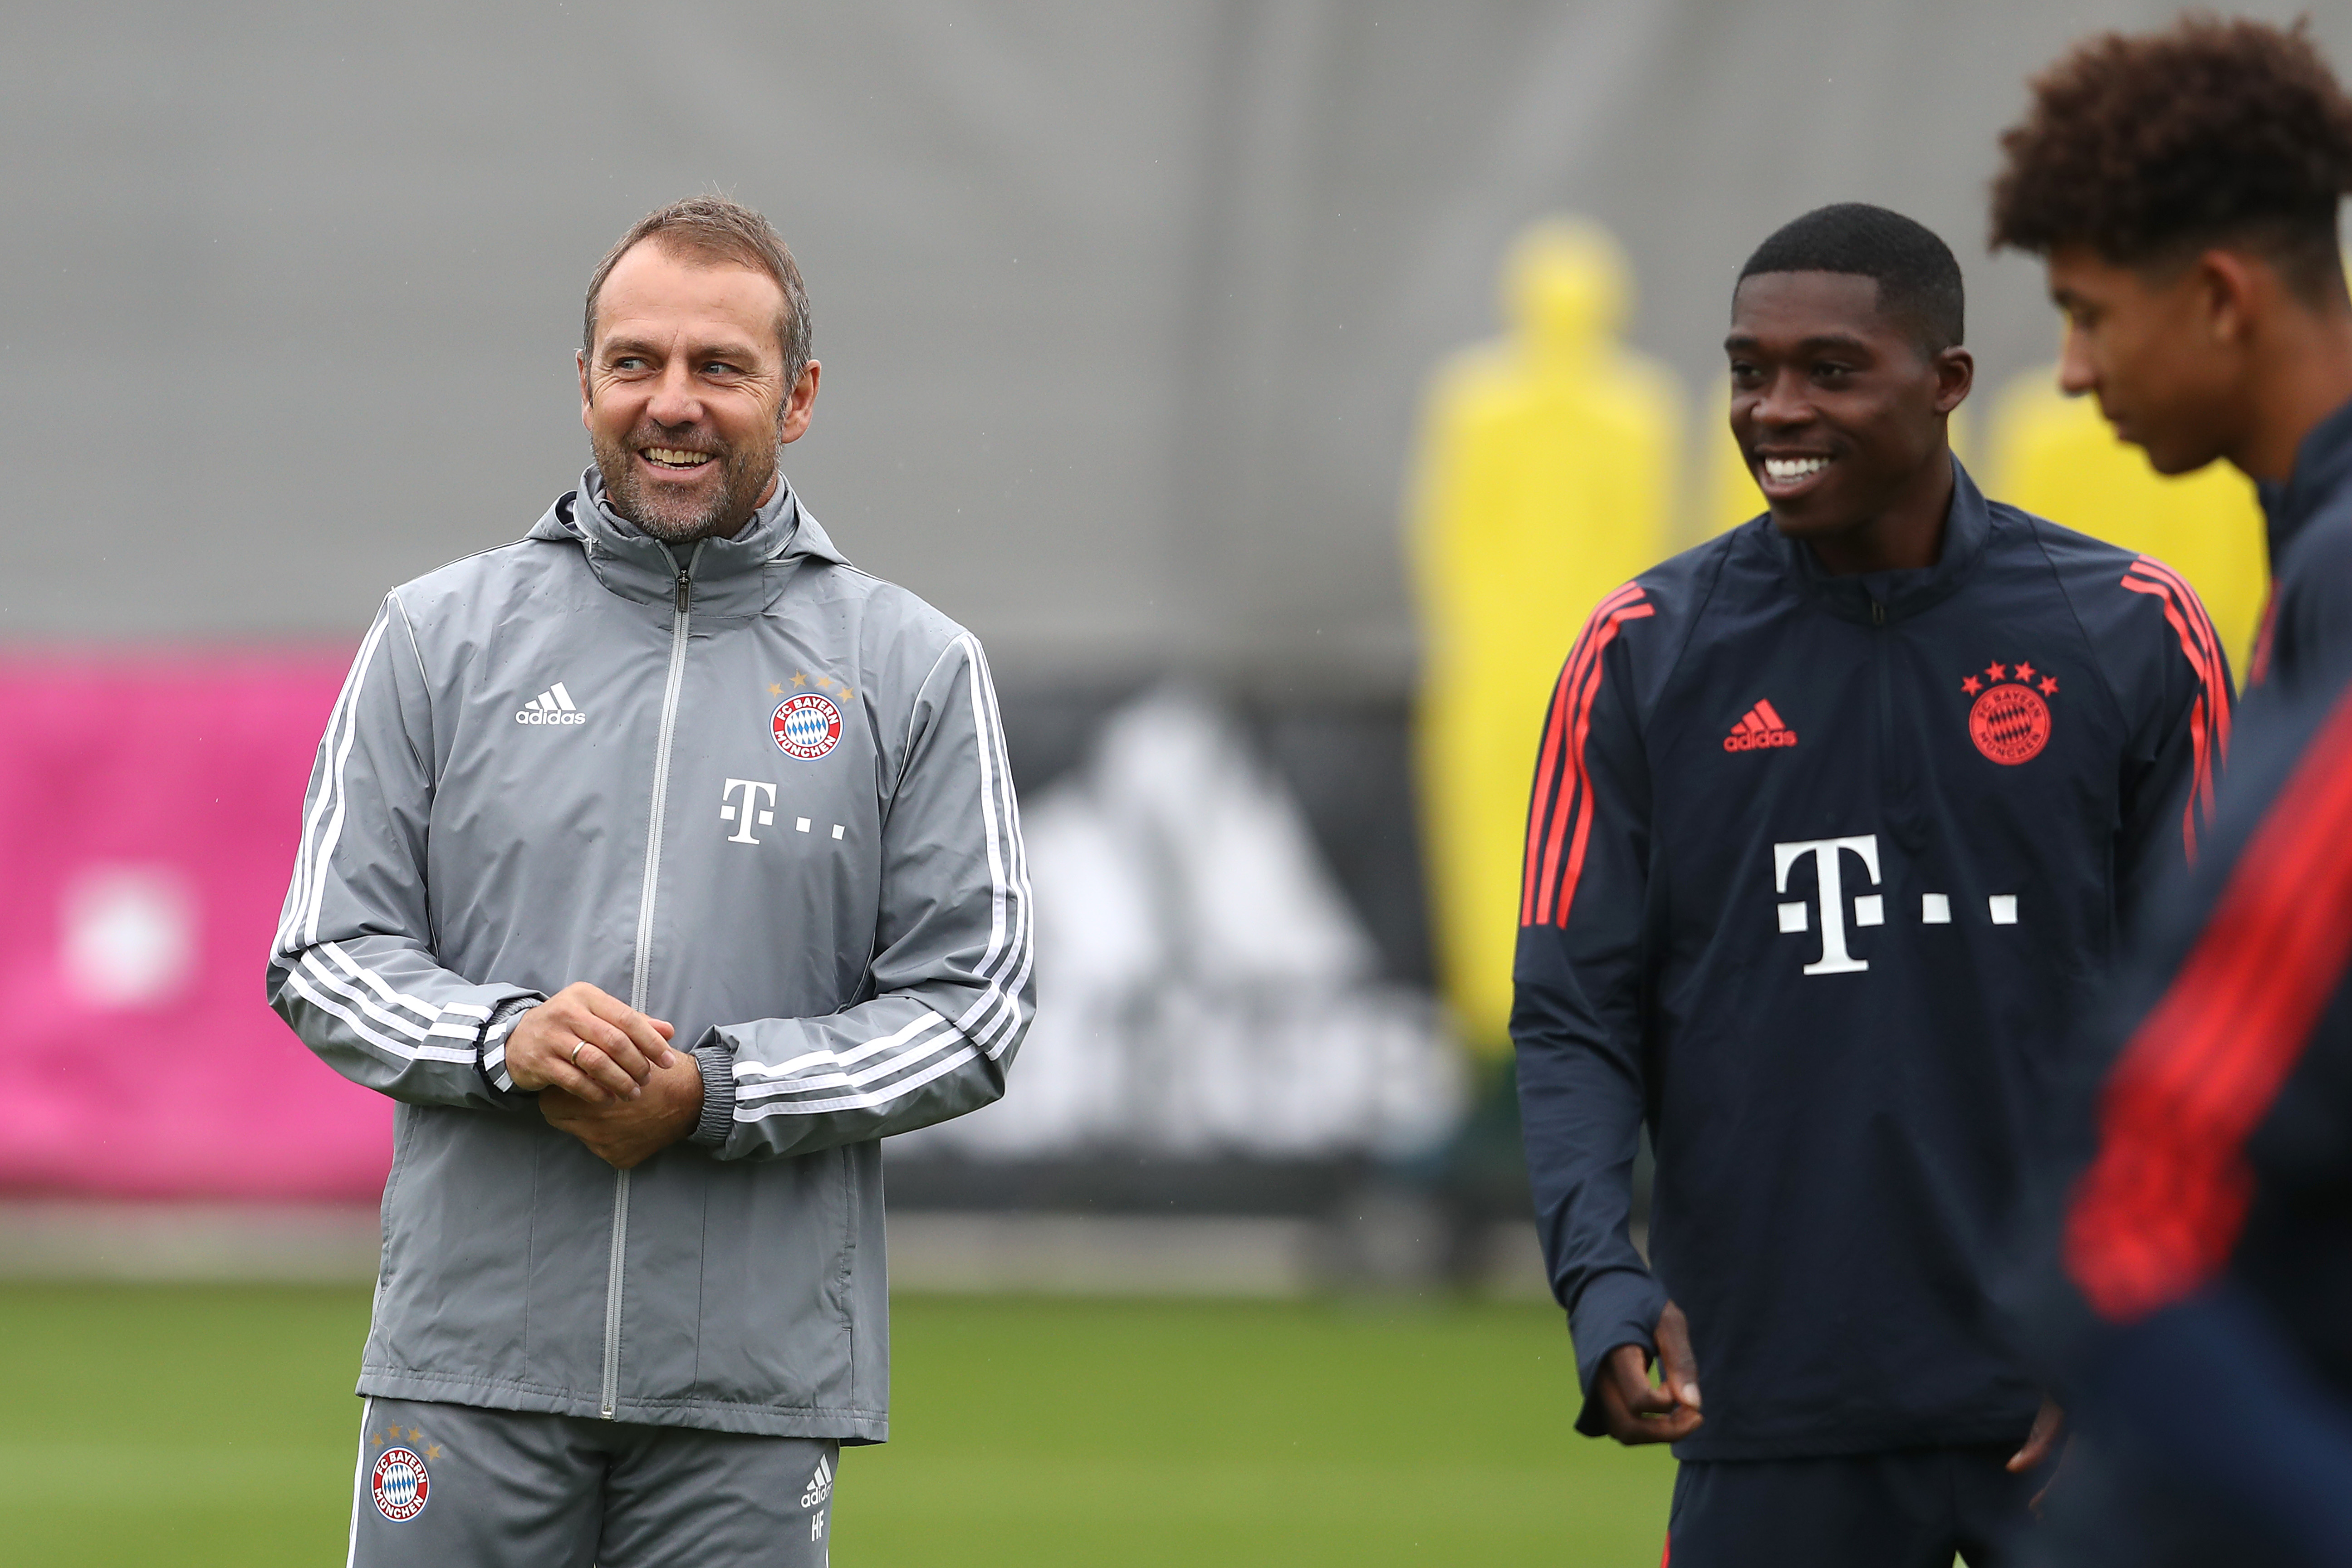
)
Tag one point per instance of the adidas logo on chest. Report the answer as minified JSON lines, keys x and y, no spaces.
{"x":1761,"y":728}
{"x":553,"y":706}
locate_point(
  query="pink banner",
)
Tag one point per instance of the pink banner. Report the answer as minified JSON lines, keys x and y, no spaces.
{"x":149,"y":807}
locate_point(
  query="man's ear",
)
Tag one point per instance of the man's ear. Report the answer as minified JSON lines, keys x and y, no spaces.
{"x":580,"y":359}
{"x":1956,"y":373}
{"x":2229,"y":288}
{"x":800,"y":404}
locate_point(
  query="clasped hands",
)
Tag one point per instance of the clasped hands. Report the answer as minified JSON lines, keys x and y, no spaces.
{"x":606,"y":1074}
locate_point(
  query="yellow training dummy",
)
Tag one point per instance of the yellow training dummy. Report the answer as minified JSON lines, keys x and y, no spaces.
{"x":1544,"y":479}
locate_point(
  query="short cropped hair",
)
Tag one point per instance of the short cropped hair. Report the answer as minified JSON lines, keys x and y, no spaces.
{"x":714,"y":229}
{"x":2149,"y":148}
{"x":1917,"y":277}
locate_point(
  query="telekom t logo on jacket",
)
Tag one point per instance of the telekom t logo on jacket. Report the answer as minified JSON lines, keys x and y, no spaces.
{"x":742,"y":800}
{"x":1869,"y":908}
{"x":747,"y":803}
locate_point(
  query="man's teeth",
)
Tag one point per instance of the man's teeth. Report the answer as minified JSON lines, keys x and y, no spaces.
{"x":1785,"y":468}
{"x":673,"y":457}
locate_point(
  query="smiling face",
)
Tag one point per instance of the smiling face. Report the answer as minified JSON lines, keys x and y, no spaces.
{"x":2158,"y":349}
{"x":683,"y":393}
{"x":1839,"y":410}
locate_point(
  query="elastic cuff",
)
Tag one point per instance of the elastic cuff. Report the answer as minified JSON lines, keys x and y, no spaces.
{"x":491,"y":1053}
{"x":717,"y":1066}
{"x":1620,"y":1307}
{"x":1588,"y":1414}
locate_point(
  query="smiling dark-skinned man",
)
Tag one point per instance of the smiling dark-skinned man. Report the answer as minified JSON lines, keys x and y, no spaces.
{"x":1835,"y":823}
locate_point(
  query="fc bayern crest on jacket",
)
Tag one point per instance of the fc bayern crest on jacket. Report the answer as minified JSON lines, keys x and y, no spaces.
{"x":806,"y":726}
{"x":2010,"y":720}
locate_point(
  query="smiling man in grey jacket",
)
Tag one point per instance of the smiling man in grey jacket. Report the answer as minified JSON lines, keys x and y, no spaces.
{"x":656,"y":864}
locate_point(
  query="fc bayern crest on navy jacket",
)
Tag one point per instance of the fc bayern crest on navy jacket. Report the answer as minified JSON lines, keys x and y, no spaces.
{"x":1821,"y":874}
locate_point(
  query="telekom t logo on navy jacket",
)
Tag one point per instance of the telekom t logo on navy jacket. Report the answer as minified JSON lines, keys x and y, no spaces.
{"x":1819,"y":873}
{"x":1869,"y":908}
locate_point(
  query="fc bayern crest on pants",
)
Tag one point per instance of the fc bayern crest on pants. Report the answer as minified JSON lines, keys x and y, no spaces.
{"x":399,"y":1485}
{"x":2010,"y":720}
{"x":807,"y":726}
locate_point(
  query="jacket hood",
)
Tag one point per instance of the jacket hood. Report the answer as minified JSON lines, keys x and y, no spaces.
{"x":1870,"y":597}
{"x":2323,"y":467}
{"x":738,"y":576}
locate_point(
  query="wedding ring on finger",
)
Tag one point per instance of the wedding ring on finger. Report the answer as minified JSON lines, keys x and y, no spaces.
{"x":577,"y":1047}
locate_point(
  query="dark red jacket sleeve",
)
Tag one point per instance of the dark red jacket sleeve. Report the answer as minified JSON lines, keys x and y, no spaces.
{"x":2198,"y":1248}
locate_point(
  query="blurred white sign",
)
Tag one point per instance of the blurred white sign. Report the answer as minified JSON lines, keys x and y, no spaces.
{"x":1204,"y":985}
{"x":128,"y":935}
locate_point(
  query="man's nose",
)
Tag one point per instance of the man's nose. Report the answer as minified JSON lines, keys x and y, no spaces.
{"x":2076,"y":374}
{"x":1783,"y":402}
{"x":674,"y":400}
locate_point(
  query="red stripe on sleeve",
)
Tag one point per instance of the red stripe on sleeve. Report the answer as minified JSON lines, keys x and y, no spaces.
{"x":2258,"y":668}
{"x":1559,"y":884}
{"x":2209,"y":718}
{"x":2213,"y":666}
{"x":2159,"y":1211}
{"x":2207,"y":639}
{"x":1551,"y":763}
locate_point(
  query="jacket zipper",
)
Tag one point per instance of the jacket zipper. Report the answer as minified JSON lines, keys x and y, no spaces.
{"x":1893,"y":780}
{"x":608,"y":1401}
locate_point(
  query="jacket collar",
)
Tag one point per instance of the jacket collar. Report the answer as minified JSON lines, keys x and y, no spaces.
{"x":2322,"y":470}
{"x":1884,"y":597}
{"x":739,"y":576}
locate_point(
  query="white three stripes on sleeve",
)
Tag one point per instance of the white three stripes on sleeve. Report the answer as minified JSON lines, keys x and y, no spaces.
{"x":761,"y":1087}
{"x":324,"y":994}
{"x":432,"y":1012}
{"x":493,"y":1051}
{"x":928,"y":1046}
{"x":314,"y":856}
{"x":990,"y":1020}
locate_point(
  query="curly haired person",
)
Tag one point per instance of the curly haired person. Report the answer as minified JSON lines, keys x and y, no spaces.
{"x":2183,"y":187}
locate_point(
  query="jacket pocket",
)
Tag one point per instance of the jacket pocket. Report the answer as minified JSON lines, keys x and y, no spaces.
{"x":775,"y":1292}
{"x":455,"y":1296}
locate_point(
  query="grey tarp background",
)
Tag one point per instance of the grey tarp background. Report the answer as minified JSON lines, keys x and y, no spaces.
{"x":1124,"y":307}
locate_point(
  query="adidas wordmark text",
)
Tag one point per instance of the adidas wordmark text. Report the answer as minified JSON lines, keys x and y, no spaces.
{"x":1761,"y":728}
{"x":820,"y":1486}
{"x":553,"y":706}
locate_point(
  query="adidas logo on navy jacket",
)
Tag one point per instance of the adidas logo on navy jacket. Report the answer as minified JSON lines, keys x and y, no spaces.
{"x":1839,"y":978}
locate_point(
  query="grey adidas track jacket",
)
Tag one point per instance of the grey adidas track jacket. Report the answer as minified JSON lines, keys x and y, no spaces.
{"x":749,"y":789}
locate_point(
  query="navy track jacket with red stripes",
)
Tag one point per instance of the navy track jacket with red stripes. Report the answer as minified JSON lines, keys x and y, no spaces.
{"x":2205,"y":1322}
{"x":2306,"y":633}
{"x":2203,"y":1333}
{"x":1821,"y":872}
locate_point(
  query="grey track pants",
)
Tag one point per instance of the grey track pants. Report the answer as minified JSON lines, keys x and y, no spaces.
{"x":454,"y":1486}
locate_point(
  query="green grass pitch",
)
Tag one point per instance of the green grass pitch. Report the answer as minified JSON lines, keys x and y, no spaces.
{"x":202,"y":1425}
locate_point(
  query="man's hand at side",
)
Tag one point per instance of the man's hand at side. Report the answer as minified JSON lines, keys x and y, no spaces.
{"x":627,"y":1133}
{"x":1632,"y":1410}
{"x":592,"y":1045}
{"x":2045,"y":1439}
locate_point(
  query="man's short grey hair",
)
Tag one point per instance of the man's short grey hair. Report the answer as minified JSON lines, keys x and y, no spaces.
{"x":712,"y":229}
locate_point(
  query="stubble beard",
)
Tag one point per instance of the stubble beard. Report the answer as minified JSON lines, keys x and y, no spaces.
{"x":744,"y":474}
